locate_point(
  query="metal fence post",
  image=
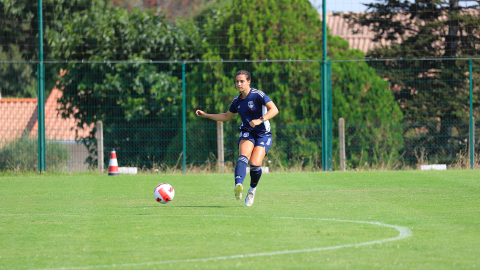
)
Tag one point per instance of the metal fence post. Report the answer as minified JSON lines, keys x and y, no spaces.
{"x":472,"y":123}
{"x":41,"y":94}
{"x":41,"y":119}
{"x":184,"y":121}
{"x":329,"y":117}
{"x":471,"y":152}
{"x":326,"y":119}
{"x":326,"y":97}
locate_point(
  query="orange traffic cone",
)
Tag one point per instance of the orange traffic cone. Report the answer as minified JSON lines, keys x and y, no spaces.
{"x":113,"y":165}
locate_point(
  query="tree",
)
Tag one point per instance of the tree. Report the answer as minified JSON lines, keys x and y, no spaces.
{"x":420,"y":29}
{"x":116,"y":35}
{"x":290,"y":29}
{"x":19,"y":35}
{"x":137,"y":101}
{"x":17,"y":77}
{"x":174,"y":8}
{"x":19,"y":24}
{"x":432,"y":93}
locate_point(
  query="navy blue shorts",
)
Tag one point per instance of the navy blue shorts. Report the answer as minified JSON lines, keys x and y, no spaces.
{"x":263,"y":141}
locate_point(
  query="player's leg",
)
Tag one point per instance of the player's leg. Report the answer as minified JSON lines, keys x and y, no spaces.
{"x":262,"y":145}
{"x":255,"y":165}
{"x":256,"y":160}
{"x":245,"y":148}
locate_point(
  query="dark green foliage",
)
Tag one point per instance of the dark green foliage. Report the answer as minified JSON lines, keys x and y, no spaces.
{"x":17,"y":79}
{"x":140,"y":107}
{"x":433,"y":94}
{"x":118,"y":34}
{"x":434,"y":103}
{"x":139,"y":103}
{"x":430,"y":28}
{"x":372,"y":118}
{"x":291,"y":29}
{"x":19,"y":36}
{"x":19,"y":24}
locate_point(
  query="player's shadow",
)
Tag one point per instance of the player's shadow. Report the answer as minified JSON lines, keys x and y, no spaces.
{"x":202,"y":206}
{"x":188,"y":206}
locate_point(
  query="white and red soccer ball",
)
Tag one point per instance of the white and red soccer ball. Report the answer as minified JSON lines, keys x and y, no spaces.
{"x":164,"y":193}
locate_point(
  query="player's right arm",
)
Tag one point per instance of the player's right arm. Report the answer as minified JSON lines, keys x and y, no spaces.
{"x":217,"y":117}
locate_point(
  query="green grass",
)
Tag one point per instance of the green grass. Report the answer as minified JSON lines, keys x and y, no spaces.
{"x":91,"y":221}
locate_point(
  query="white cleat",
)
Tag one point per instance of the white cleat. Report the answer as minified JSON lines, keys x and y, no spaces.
{"x":238,"y":191}
{"x":250,"y":197}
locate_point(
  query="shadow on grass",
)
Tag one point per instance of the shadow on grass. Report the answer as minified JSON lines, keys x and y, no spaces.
{"x":187,"y":206}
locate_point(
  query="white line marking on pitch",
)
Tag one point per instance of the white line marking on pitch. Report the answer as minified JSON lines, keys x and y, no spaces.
{"x":403,"y":232}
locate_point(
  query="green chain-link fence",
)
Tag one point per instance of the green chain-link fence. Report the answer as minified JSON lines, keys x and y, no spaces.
{"x":398,"y":113}
{"x":423,"y":117}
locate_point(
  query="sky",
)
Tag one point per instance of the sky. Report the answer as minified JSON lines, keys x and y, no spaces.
{"x":356,"y":5}
{"x":341,"y":5}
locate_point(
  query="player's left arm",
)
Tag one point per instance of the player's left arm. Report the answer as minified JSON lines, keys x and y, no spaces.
{"x":272,"y":111}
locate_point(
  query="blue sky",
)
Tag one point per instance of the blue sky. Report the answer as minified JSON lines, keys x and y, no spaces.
{"x":341,"y":5}
{"x":356,"y":5}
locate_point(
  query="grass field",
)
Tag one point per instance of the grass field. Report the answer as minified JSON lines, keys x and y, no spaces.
{"x":351,"y":220}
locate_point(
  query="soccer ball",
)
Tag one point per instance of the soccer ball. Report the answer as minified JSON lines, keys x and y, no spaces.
{"x":164,"y":193}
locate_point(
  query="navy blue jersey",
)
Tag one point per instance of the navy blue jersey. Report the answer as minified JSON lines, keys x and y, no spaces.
{"x":250,"y":108}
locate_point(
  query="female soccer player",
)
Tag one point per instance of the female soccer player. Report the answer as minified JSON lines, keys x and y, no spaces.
{"x":255,"y":138}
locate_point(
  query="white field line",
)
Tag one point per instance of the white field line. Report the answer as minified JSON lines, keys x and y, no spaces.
{"x":403,"y":232}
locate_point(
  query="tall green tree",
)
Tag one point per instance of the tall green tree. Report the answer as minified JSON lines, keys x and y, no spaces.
{"x":432,"y":92}
{"x":137,"y":101}
{"x":19,"y":35}
{"x":284,"y":30}
{"x":17,"y":77}
{"x":19,"y":24}
{"x":103,"y":33}
{"x":422,"y":29}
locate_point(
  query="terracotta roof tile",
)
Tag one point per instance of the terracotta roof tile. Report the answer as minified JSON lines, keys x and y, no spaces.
{"x":57,"y":128}
{"x":20,"y":115}
{"x":361,"y":41}
{"x":16,"y":115}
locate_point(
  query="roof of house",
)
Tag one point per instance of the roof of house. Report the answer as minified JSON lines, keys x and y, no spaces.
{"x":361,"y":41}
{"x":19,"y":117}
{"x":56,"y":127}
{"x":360,"y":37}
{"x":16,"y":115}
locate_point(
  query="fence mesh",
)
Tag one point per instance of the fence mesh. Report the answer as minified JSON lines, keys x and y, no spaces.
{"x":398,"y":113}
{"x":430,"y":122}
{"x":399,"y":74}
{"x":414,"y":29}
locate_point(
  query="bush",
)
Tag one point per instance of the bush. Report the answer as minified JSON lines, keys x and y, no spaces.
{"x":22,"y":155}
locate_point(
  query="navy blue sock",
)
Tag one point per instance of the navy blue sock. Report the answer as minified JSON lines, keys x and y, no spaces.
{"x":255,"y":174}
{"x":241,"y":169}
